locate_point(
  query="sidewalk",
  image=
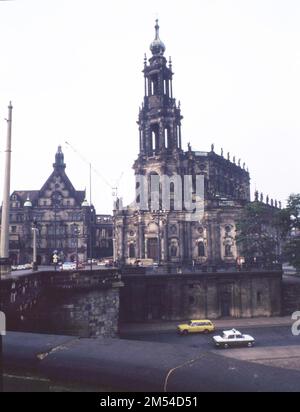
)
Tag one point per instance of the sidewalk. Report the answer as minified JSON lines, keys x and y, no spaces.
{"x":159,"y":326}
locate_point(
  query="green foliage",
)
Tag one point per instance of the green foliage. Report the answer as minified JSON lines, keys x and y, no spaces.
{"x":257,"y":232}
{"x":290,"y":227}
{"x":292,"y":252}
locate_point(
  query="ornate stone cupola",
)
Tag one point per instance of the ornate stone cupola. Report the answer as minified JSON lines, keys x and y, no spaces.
{"x":159,"y":117}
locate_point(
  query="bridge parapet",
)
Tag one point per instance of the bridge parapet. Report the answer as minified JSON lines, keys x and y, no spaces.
{"x":83,"y":303}
{"x":84,"y":280}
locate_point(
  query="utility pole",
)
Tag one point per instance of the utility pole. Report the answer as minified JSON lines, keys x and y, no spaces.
{"x":114,"y":194}
{"x":34,"y":247}
{"x":91,"y":223}
{"x":5,"y":267}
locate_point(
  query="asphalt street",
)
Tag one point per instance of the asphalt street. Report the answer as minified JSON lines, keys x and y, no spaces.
{"x":156,"y":361}
{"x":273,"y":364}
{"x":268,"y":336}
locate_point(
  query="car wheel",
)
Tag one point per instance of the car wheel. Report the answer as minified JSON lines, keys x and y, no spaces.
{"x":250,"y":344}
{"x":206,"y":331}
{"x":185,"y":332}
{"x":226,"y":346}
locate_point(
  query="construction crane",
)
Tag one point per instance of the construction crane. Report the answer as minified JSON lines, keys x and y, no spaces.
{"x":114,"y":188}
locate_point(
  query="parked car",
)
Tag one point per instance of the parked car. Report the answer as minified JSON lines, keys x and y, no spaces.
{"x":196,"y":326}
{"x":68,"y":266}
{"x":233,"y":338}
{"x":93,"y":261}
{"x":109,"y":263}
{"x":100,"y":263}
{"x":143,"y":262}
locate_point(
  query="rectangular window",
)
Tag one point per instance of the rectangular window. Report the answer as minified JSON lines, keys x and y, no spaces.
{"x":258,"y":298}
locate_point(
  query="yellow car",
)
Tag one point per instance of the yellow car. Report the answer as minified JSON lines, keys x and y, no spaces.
{"x":194,"y":326}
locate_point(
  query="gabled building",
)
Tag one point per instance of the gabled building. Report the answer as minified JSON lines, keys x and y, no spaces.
{"x":66,"y":223}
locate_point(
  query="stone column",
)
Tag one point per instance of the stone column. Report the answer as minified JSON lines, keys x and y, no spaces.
{"x":181,"y":240}
{"x":209,"y":241}
{"x":189,"y":241}
{"x":4,"y":246}
{"x":215,"y":241}
{"x":161,"y":136}
{"x":179,"y":136}
{"x":141,"y":241}
{"x":166,"y":241}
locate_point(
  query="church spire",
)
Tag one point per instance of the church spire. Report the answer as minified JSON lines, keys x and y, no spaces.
{"x":59,"y":160}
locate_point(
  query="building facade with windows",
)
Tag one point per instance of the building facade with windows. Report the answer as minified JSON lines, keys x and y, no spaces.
{"x":172,"y":234}
{"x":65,"y":221}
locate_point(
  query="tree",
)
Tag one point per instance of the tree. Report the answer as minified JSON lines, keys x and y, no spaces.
{"x":257,"y":233}
{"x":290,"y":226}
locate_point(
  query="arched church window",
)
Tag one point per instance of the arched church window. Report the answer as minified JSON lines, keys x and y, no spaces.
{"x":201,"y":249}
{"x":154,"y":138}
{"x":153,"y":190}
{"x":173,"y":229}
{"x":173,"y":251}
{"x":172,"y":189}
{"x":131,"y":250}
{"x":166,"y":138}
{"x":228,"y":252}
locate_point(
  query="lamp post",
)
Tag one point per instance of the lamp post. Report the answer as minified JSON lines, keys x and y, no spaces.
{"x":76,"y":232}
{"x":4,"y":247}
{"x":34,"y":247}
{"x":91,"y":214}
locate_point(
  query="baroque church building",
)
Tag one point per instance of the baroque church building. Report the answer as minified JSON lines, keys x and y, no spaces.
{"x":172,"y":234}
{"x":67,"y":225}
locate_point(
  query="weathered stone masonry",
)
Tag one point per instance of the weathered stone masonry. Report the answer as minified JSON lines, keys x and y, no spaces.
{"x":210,"y":295}
{"x":74,"y":303}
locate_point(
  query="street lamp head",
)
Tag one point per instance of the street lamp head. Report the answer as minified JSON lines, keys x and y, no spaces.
{"x":27,"y":202}
{"x":85,"y":203}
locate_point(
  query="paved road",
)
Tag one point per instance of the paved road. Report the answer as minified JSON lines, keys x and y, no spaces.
{"x":19,"y":273}
{"x":275,"y":359}
{"x":269,"y":336}
{"x":157,"y":361}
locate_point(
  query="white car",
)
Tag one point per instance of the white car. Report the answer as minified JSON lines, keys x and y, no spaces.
{"x":101,"y":264}
{"x":68,"y":266}
{"x":233,"y":338}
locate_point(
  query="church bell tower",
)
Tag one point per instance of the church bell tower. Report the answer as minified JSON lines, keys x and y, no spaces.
{"x":159,"y":117}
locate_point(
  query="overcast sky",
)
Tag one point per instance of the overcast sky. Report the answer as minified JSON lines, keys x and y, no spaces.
{"x":73,"y":72}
